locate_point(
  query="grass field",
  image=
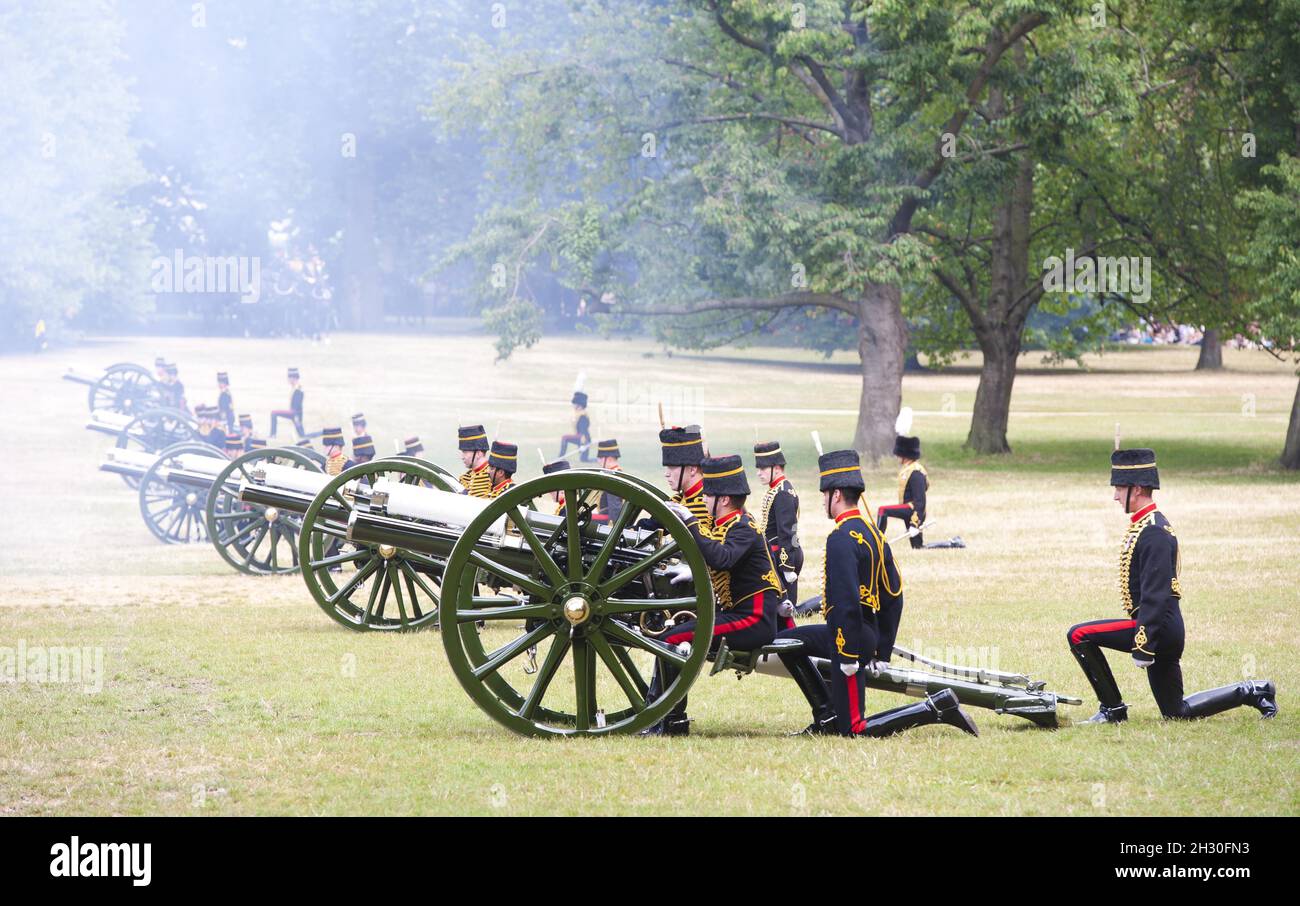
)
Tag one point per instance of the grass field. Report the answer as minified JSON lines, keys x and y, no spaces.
{"x":226,"y":694}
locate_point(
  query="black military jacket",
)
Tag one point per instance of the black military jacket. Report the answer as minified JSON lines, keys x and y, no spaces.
{"x":780,"y":525}
{"x":740,"y":566}
{"x":1148,"y":577}
{"x":862,"y":589}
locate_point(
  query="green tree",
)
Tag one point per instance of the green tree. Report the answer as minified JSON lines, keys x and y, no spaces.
{"x":68,"y":241}
{"x":743,"y":158}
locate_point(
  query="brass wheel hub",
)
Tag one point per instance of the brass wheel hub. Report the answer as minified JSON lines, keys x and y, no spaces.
{"x":386,"y":551}
{"x":577,"y":610}
{"x":271,"y":514}
{"x":191,"y":498}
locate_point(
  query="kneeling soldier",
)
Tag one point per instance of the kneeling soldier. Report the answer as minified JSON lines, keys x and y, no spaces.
{"x":913,"y":482}
{"x":1150,"y":594}
{"x":473,"y":443}
{"x":502,"y":462}
{"x":862,"y":601}
{"x":745,"y":587}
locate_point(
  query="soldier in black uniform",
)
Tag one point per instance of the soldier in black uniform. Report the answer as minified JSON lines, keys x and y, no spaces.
{"x":550,"y":468}
{"x":473,"y":443}
{"x":745,"y":586}
{"x":913,"y":482}
{"x":294,"y":412}
{"x":335,"y":461}
{"x":234,"y":445}
{"x":363,"y":449}
{"x":358,"y":423}
{"x":255,"y":443}
{"x":413,"y":446}
{"x":246,"y":429}
{"x":1153,"y":626}
{"x":778,"y":518}
{"x":683,"y":452}
{"x":225,"y":405}
{"x":503,"y":460}
{"x":610,"y":504}
{"x":862,"y":602}
{"x":208,"y":428}
{"x":175,"y":389}
{"x":580,"y":436}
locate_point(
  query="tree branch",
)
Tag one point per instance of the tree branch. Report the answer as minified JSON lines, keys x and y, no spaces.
{"x":754,"y":303}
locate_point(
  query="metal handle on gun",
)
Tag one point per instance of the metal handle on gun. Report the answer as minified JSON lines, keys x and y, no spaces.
{"x":913,"y":531}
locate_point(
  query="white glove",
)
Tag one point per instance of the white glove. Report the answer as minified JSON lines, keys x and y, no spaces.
{"x":850,"y":668}
{"x":790,"y":576}
{"x":1143,"y":660}
{"x":785,"y":608}
{"x":875,"y":667}
{"x":681,"y":511}
{"x":679,"y":574}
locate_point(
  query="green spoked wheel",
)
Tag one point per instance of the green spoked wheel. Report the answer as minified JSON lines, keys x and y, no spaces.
{"x":173,"y":512}
{"x":580,"y":593}
{"x":154,"y":430}
{"x":125,"y":387}
{"x":369,"y":587}
{"x":255,"y":539}
{"x":452,"y":480}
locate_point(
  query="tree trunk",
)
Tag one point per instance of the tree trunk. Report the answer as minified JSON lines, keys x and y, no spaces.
{"x":988,"y":423}
{"x":1004,"y":314}
{"x":1211,"y":357}
{"x":363,"y":291}
{"x":882,"y":348}
{"x":1291,"y":451}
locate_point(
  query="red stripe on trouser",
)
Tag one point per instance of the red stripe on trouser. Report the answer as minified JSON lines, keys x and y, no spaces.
{"x":893,"y":506}
{"x":1078,"y":635}
{"x":722,"y":628}
{"x":856,"y":721}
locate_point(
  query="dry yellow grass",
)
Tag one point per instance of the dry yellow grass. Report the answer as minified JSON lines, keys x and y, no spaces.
{"x":225,"y":694}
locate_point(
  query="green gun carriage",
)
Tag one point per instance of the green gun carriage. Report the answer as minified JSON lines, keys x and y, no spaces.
{"x":551,"y":623}
{"x":188,"y":494}
{"x":123,"y":387}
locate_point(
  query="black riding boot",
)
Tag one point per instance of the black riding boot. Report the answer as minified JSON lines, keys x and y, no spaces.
{"x":809,"y":680}
{"x":940,"y":708}
{"x":676,"y":723}
{"x":1261,"y":694}
{"x":1097,"y":670}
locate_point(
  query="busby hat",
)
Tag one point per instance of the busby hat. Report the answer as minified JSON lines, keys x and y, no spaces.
{"x":608,"y":448}
{"x":579,"y":398}
{"x":203,"y":410}
{"x":724,"y":475}
{"x":256,"y":443}
{"x":159,"y":362}
{"x":682,"y":446}
{"x":305,"y":443}
{"x":293,"y":374}
{"x":472,"y":437}
{"x":504,"y":456}
{"x":363,"y":445}
{"x":558,"y":465}
{"x":172,"y":369}
{"x":413,"y":445}
{"x":768,"y":454}
{"x":332,"y":437}
{"x":840,"y":469}
{"x":245,"y":420}
{"x":1134,"y":468}
{"x":907,"y":447}
{"x":234,"y":442}
{"x":223,"y":377}
{"x":359,"y":418}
